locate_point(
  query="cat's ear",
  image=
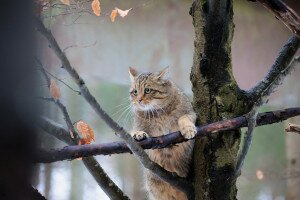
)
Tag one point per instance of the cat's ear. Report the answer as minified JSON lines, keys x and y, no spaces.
{"x":163,"y":73}
{"x":132,"y":73}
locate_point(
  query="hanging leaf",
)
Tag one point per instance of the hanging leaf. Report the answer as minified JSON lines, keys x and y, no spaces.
{"x":86,"y":131}
{"x":122,"y":13}
{"x":96,"y":7}
{"x":66,"y":2}
{"x":113,"y":15}
{"x":54,"y":90}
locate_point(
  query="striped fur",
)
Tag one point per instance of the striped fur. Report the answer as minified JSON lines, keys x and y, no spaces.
{"x":160,"y":107}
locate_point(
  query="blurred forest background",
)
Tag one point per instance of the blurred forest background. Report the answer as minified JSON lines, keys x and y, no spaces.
{"x":156,"y":34}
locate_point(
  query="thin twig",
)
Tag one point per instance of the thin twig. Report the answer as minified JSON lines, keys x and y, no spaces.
{"x":72,"y":152}
{"x":79,"y":46}
{"x":76,"y":91}
{"x":170,"y":177}
{"x":103,"y":180}
{"x":60,"y":105}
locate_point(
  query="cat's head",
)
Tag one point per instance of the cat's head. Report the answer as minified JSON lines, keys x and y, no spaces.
{"x":149,"y":91}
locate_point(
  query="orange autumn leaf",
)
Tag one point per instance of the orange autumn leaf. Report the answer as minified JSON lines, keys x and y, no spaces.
{"x":122,"y":13}
{"x":54,"y":90}
{"x":86,"y":131}
{"x":96,"y":7}
{"x":113,"y":15}
{"x":66,"y":2}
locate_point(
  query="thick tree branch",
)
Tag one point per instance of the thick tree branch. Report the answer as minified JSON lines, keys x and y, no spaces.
{"x":284,"y":13}
{"x":72,"y":152}
{"x":170,"y":177}
{"x":264,"y":93}
{"x":279,"y":69}
{"x":108,"y":186}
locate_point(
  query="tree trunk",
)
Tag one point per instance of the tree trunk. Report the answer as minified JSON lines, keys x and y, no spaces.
{"x":216,"y":96}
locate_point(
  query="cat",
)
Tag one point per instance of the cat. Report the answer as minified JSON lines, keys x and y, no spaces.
{"x":160,"y":107}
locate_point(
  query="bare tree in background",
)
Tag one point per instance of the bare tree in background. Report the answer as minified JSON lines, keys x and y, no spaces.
{"x":222,"y":108}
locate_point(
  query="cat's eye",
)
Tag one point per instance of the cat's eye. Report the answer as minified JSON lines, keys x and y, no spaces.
{"x":134,"y":92}
{"x":147,"y":90}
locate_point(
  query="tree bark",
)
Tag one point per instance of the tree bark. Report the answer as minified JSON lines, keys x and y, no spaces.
{"x":216,"y":96}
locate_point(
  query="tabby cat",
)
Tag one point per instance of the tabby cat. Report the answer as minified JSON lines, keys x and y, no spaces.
{"x":160,"y":107}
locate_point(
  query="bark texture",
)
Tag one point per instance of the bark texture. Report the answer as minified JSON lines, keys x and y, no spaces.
{"x":216,"y":96}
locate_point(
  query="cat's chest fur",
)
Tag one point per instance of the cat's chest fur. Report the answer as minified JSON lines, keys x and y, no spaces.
{"x":175,"y":158}
{"x":161,"y":125}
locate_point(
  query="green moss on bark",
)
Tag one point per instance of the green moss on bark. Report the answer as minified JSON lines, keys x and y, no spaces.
{"x":216,"y":96}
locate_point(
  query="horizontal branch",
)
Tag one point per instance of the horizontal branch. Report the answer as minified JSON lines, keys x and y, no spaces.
{"x":72,"y":152}
{"x":284,"y":13}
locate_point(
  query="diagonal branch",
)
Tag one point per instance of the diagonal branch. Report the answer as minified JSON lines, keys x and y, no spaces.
{"x":108,"y":186}
{"x":263,"y":93}
{"x":284,"y":13}
{"x":59,"y":104}
{"x":170,"y":177}
{"x":279,"y":69}
{"x":72,"y":152}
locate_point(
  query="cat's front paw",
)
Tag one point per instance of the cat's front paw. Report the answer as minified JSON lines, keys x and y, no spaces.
{"x":188,"y":131}
{"x":187,"y":127}
{"x":139,"y":135}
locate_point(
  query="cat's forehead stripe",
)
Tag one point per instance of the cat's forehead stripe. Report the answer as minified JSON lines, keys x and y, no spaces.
{"x":142,"y":78}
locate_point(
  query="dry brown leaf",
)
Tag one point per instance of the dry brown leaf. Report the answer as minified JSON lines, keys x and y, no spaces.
{"x":122,"y":13}
{"x":66,"y":2}
{"x":86,"y":131}
{"x":259,"y":175}
{"x":54,"y":90}
{"x":113,"y":15}
{"x":96,"y":7}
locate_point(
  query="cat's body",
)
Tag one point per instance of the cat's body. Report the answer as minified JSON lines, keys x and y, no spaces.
{"x":165,"y":109}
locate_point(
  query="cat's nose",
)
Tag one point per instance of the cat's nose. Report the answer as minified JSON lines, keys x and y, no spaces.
{"x":139,"y":99}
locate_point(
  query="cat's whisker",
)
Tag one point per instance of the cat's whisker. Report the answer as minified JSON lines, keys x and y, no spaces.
{"x":127,"y":121}
{"x":124,"y":112}
{"x":123,"y":103}
{"x":120,"y":110}
{"x":129,"y":114}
